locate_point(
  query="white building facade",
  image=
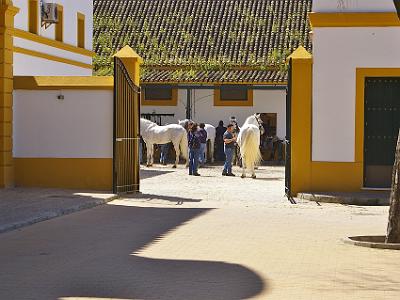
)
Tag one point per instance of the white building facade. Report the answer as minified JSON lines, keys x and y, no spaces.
{"x":355,"y":92}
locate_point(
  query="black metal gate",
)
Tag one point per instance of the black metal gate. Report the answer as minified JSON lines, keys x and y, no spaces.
{"x":288,"y":161}
{"x":126,"y":131}
{"x":382,"y":122}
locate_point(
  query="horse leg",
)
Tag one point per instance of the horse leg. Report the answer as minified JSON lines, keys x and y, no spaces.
{"x":177,"y":154}
{"x":253,"y":173}
{"x":149,"y":154}
{"x":212,"y":150}
{"x":243,"y":169}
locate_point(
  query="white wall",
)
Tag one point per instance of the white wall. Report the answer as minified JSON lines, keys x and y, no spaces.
{"x":25,"y":65}
{"x":80,"y":126}
{"x":353,"y":6}
{"x":71,"y":8}
{"x":271,"y":101}
{"x":337,"y":53}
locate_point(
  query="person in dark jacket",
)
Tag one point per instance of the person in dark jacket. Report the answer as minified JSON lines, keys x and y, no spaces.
{"x":194,"y":149}
{"x":203,"y":144}
{"x":219,"y":141}
{"x":229,"y":141}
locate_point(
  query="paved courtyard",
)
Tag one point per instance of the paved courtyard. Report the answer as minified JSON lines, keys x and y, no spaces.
{"x":208,"y":237}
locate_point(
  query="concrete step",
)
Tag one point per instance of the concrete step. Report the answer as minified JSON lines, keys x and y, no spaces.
{"x":359,"y":198}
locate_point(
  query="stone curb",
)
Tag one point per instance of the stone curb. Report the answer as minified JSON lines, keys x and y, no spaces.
{"x":54,"y":214}
{"x":343,"y":199}
{"x":376,"y":242}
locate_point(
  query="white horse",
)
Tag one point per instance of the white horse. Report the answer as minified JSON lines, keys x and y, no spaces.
{"x":249,"y":143}
{"x":210,"y":136}
{"x":155,"y":134}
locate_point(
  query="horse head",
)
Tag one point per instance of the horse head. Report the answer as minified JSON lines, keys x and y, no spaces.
{"x":260,"y":123}
{"x":184,"y":123}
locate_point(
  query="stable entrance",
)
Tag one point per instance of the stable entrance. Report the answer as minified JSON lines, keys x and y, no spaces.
{"x":382,"y":123}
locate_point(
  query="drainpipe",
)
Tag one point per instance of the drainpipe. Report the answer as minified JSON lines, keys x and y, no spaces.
{"x":189,"y":104}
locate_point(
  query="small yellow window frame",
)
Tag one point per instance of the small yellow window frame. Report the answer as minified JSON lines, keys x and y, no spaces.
{"x":59,"y":31}
{"x":219,"y":102}
{"x":171,"y":102}
{"x":33,"y":16}
{"x":81,"y":30}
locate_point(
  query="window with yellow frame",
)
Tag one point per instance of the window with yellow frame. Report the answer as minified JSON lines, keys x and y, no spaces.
{"x":233,"y":95}
{"x":159,"y":95}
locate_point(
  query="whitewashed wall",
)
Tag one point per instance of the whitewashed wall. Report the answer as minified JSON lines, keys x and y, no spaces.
{"x":80,"y":126}
{"x":25,"y":65}
{"x":71,"y":8}
{"x":353,"y":6}
{"x":271,"y":101}
{"x":337,"y":53}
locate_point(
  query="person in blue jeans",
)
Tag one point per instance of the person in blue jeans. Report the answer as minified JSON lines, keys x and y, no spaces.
{"x":164,"y":154}
{"x":203,"y":144}
{"x":229,"y":148}
{"x":194,"y":149}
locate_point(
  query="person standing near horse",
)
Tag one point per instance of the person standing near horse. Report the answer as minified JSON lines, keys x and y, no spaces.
{"x":219,"y":141}
{"x":203,"y":144}
{"x":194,"y":149}
{"x":235,"y":131}
{"x":229,"y":148}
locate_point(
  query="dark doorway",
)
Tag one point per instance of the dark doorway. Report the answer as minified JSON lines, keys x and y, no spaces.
{"x":381,"y":127}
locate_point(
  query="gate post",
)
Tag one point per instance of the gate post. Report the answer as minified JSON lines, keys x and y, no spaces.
{"x":301,"y":120}
{"x":131,"y":61}
{"x":7,"y":13}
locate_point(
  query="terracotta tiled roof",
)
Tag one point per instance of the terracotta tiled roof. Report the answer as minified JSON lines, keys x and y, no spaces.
{"x":213,"y":36}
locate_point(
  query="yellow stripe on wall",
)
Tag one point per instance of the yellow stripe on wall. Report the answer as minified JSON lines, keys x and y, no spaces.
{"x":369,"y":19}
{"x":52,"y":57}
{"x":67,"y":173}
{"x":52,"y":43}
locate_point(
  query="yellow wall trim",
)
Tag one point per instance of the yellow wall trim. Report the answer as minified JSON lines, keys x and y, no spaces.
{"x":33,"y":16}
{"x":172,"y":102}
{"x":219,"y":102}
{"x":81,"y":35}
{"x":200,"y":83}
{"x":63,"y":82}
{"x":49,"y":42}
{"x":370,"y":19}
{"x":59,"y":27}
{"x":52,"y":57}
{"x":68,"y":173}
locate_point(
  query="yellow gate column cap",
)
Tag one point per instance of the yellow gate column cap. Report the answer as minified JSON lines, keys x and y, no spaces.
{"x":128,"y":52}
{"x":300,"y":54}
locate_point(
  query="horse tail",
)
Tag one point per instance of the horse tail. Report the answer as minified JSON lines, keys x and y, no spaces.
{"x":183,"y":145}
{"x":250,"y":147}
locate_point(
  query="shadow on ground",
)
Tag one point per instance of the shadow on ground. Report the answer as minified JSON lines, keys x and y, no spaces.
{"x":148,"y":173}
{"x":94,"y":254}
{"x":178,"y":200}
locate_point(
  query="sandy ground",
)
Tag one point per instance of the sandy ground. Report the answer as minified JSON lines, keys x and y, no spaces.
{"x":208,"y":237}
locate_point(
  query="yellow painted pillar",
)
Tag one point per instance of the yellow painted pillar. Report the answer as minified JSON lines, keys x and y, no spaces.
{"x":301,"y":127}
{"x":7,"y":13}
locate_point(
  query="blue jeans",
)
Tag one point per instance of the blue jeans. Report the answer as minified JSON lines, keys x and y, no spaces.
{"x":202,"y":153}
{"x":164,"y":153}
{"x":193,"y":160}
{"x":228,"y":160}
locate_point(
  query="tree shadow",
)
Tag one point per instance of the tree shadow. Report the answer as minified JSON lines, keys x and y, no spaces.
{"x":95,"y":254}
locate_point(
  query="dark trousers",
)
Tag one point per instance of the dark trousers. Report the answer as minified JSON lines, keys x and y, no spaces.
{"x":193,"y":160}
